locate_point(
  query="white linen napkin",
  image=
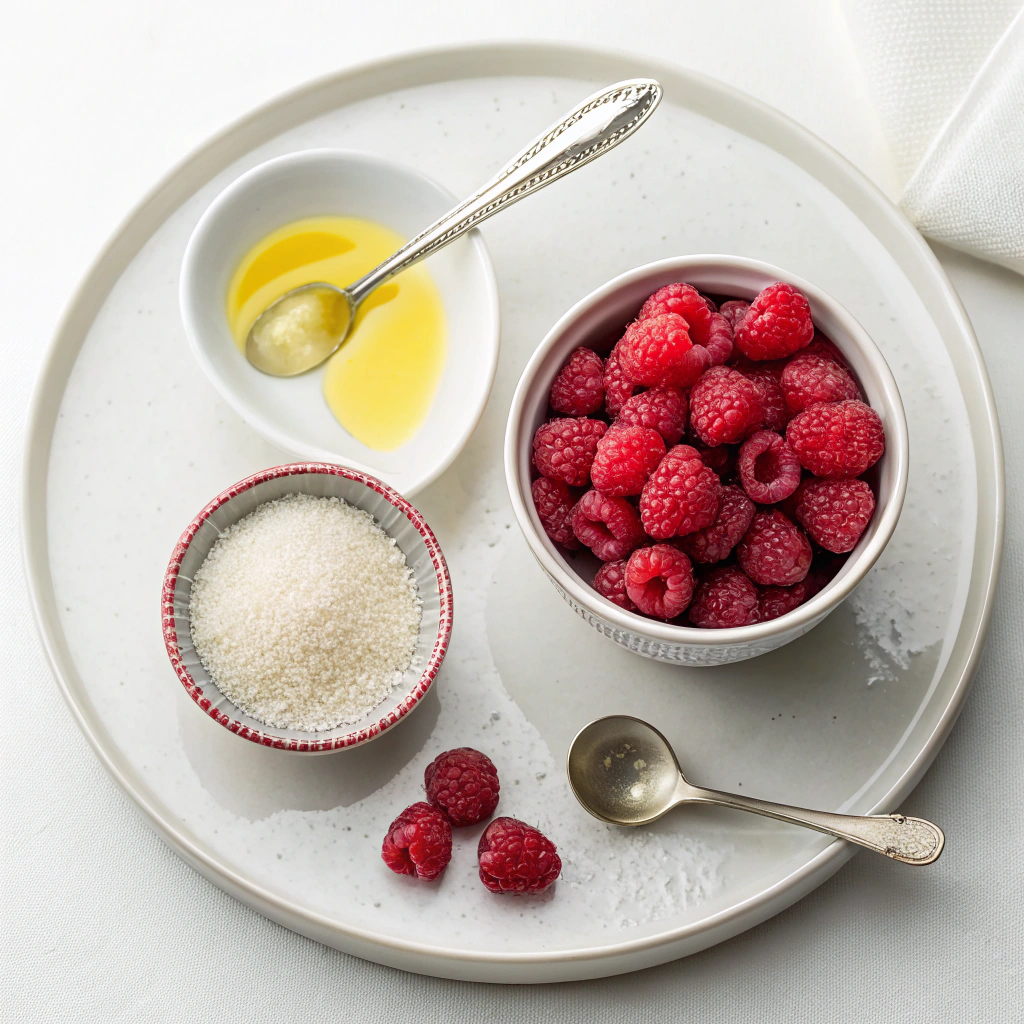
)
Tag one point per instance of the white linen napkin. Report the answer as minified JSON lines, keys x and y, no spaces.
{"x":948,"y":79}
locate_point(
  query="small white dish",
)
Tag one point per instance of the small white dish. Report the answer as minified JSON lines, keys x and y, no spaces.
{"x":598,"y":321}
{"x":291,"y":413}
{"x":395,"y":516}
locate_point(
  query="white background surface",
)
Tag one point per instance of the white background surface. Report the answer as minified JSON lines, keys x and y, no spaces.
{"x":99,"y":920}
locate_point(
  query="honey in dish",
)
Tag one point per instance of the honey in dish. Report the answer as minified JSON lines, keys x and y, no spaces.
{"x":380,"y":384}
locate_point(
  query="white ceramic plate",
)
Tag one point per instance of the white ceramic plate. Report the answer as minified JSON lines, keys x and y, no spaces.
{"x":127,"y":440}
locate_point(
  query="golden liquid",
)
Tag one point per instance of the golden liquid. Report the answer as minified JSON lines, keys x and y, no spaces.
{"x":381,"y":383}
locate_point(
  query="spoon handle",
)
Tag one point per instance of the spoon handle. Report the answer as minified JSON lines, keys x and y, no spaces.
{"x":910,"y":840}
{"x":597,"y":125}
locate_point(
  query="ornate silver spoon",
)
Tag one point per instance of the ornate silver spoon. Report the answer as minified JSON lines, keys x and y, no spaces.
{"x":625,"y":772}
{"x":308,"y":324}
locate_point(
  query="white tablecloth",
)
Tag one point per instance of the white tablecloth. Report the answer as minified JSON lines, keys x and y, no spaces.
{"x":100,"y":921}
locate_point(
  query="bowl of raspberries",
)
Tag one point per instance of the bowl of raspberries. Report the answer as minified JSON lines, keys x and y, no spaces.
{"x":706,"y":455}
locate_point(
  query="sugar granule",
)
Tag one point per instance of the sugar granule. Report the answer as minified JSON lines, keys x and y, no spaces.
{"x":305,"y":613}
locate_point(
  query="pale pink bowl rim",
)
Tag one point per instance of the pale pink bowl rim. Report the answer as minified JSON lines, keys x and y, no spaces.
{"x":268,"y":737}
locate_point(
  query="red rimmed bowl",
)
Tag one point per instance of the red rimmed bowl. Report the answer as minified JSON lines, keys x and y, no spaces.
{"x":395,"y":516}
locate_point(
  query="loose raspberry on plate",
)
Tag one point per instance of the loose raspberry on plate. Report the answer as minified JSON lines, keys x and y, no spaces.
{"x":715,"y":542}
{"x":725,"y":407}
{"x":578,"y":389}
{"x":626,"y":457}
{"x":810,"y":378}
{"x":418,"y":842}
{"x":837,"y":439}
{"x":681,"y":496}
{"x":563,"y":449}
{"x":835,"y":512}
{"x":463,"y":783}
{"x":766,"y":378}
{"x":724,"y":598}
{"x":516,"y":858}
{"x":769,"y":468}
{"x":659,"y":581}
{"x":610,"y":582}
{"x":616,"y":387}
{"x":774,"y":551}
{"x":663,"y":409}
{"x":659,"y":350}
{"x":777,"y":324}
{"x":776,"y":601}
{"x":554,"y":501}
{"x":610,"y":527}
{"x":733,"y":311}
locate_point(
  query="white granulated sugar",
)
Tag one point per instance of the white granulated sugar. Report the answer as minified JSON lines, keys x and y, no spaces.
{"x":305,"y":613}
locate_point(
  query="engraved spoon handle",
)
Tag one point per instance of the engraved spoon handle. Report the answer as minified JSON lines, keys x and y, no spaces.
{"x":910,"y":840}
{"x":597,"y":125}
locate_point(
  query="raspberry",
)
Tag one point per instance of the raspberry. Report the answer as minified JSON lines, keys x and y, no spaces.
{"x":685,"y":301}
{"x":733,"y":311}
{"x":765,"y":377}
{"x":610,"y":527}
{"x":724,"y":598}
{"x":774,"y":551}
{"x":769,"y":468}
{"x":837,"y":439}
{"x":721,"y":459}
{"x":809,"y":378}
{"x":662,"y":409}
{"x":725,"y":407}
{"x":563,"y":449}
{"x":777,"y":324}
{"x":659,"y":581}
{"x":626,"y":457}
{"x":578,"y":390}
{"x":616,"y":388}
{"x":659,"y":350}
{"x":681,"y":496}
{"x":610,"y":582}
{"x":776,"y":601}
{"x":553,"y":502}
{"x":835,"y":512}
{"x":516,"y":857}
{"x":715,"y":542}
{"x":463,"y":783}
{"x":418,"y":842}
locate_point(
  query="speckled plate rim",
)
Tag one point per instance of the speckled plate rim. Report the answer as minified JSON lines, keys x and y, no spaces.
{"x":268,"y":737}
{"x":708,"y":98}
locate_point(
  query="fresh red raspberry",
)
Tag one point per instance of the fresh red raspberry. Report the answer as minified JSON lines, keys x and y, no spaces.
{"x":682,"y":299}
{"x":610,"y":582}
{"x":774,"y":551}
{"x":777,"y":324}
{"x":517,"y":858}
{"x":725,"y":407}
{"x":837,"y":439}
{"x":563,"y":449}
{"x":616,"y":387}
{"x":463,"y":783}
{"x":659,"y":581}
{"x":681,"y":496}
{"x":659,"y":350}
{"x":720,"y":340}
{"x":554,"y":501}
{"x":769,"y":468}
{"x":773,"y":400}
{"x":835,"y":512}
{"x":734,"y":311}
{"x":418,"y":842}
{"x":626,"y":457}
{"x":662,"y":409}
{"x":578,"y":390}
{"x":715,"y":542}
{"x":809,"y":378}
{"x":776,"y":601}
{"x":610,"y":527}
{"x":721,"y":459}
{"x":724,"y":598}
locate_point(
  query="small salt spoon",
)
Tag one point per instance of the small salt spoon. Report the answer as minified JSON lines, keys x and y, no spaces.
{"x":624,"y":772}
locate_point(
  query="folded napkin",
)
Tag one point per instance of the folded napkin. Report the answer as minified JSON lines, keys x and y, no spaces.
{"x":948,"y":79}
